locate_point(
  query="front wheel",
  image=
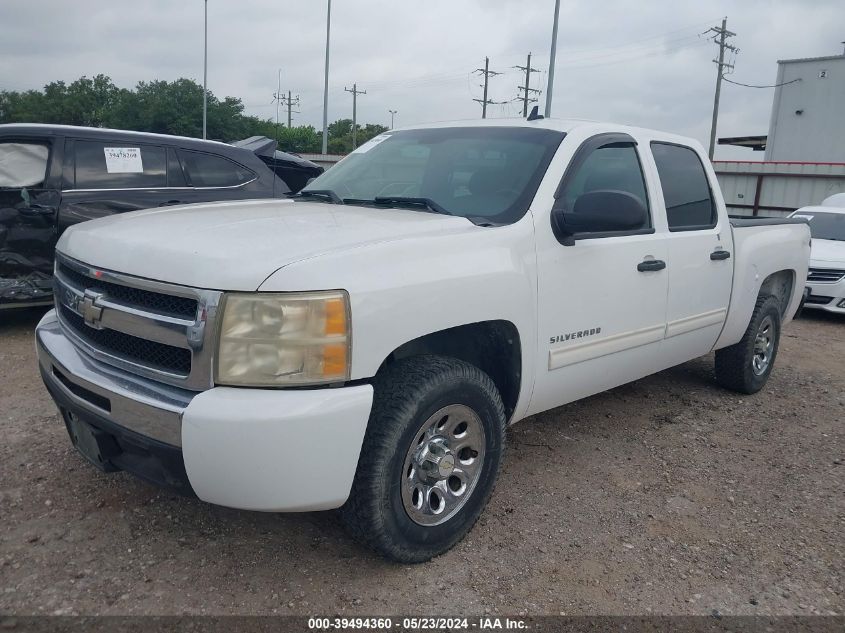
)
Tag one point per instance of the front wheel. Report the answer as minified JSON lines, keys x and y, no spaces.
{"x":429,"y":460}
{"x":745,"y":367}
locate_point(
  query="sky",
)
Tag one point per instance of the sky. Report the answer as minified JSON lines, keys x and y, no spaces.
{"x":637,"y":62}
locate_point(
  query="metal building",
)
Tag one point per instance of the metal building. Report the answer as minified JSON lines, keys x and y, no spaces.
{"x":805,"y":149}
{"x":808,"y":111}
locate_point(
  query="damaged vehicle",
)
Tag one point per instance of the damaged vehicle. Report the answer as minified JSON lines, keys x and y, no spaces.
{"x":55,"y":176}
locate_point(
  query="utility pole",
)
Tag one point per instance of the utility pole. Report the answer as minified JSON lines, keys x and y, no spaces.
{"x":525,"y":96}
{"x":289,"y":102}
{"x":392,"y":114}
{"x":551,"y":82}
{"x":722,"y":34}
{"x":326,"y":82}
{"x":355,"y":92}
{"x":205,"y":76}
{"x":487,"y":74}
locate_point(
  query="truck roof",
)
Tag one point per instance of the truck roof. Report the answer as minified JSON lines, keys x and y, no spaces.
{"x":558,"y":125}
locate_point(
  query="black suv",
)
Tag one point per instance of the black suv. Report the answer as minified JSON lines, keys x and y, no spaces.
{"x":53,"y":176}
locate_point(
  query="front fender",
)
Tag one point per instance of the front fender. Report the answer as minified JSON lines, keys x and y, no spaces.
{"x":404,"y":289}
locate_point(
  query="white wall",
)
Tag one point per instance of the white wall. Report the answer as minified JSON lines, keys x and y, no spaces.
{"x":818,"y":133}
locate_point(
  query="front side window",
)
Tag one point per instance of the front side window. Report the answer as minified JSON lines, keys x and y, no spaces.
{"x":489,"y":173}
{"x":825,"y":225}
{"x":119,"y":165}
{"x":613,"y":167}
{"x":210,"y":170}
{"x":686,"y":190}
{"x":23,"y":164}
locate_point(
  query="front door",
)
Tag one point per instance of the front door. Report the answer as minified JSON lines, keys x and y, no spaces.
{"x":602,"y":300}
{"x":29,"y":201}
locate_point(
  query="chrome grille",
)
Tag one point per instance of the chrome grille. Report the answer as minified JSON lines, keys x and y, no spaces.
{"x":167,"y":358}
{"x":153,"y":329}
{"x":135,"y":297}
{"x":825,"y":275}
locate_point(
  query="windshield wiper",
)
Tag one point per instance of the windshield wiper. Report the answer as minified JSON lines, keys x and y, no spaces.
{"x":427,"y":203}
{"x":321,"y":194}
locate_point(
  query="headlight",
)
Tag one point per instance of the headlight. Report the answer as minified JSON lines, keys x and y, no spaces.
{"x":278,"y":339}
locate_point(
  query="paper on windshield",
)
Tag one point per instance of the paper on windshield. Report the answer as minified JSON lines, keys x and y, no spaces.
{"x":366,"y":147}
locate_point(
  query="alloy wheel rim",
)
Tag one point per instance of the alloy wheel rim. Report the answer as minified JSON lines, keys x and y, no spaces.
{"x":443,"y":465}
{"x":763,"y":345}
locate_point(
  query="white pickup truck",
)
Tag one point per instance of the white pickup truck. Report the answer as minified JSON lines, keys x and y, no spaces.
{"x":364,"y":345}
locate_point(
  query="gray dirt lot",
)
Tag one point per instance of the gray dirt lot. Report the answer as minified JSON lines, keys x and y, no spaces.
{"x":665,"y":496}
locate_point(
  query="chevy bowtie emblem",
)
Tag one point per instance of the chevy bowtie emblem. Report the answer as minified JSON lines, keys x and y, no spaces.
{"x":91,"y":312}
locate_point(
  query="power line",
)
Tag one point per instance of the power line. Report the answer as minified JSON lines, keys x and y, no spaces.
{"x":637,"y":43}
{"x":526,"y":89}
{"x":736,"y":83}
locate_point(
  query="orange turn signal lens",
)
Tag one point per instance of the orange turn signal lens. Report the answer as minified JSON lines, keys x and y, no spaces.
{"x":335,"y":317}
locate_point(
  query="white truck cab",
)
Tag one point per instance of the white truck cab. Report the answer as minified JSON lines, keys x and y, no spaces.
{"x":363,"y":345}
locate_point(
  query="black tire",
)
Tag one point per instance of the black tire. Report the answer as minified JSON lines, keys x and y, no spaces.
{"x":407,"y":394}
{"x":734,"y":364}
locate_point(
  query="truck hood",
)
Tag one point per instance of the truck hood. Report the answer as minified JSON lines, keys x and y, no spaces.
{"x":825,"y":253}
{"x":237,"y":245}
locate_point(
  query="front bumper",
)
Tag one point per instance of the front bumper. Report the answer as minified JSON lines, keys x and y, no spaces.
{"x":827,"y":296}
{"x":254,"y":449}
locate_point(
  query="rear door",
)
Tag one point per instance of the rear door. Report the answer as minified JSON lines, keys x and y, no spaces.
{"x":29,"y":202}
{"x":700,"y":254}
{"x":103,"y":177}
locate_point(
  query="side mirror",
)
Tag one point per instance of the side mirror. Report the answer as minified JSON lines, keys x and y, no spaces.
{"x":599,"y":212}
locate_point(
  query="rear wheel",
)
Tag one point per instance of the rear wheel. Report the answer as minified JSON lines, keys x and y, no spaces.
{"x":429,"y":460}
{"x":746,"y":366}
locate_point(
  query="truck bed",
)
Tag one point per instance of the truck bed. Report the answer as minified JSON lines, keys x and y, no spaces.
{"x":762,"y":220}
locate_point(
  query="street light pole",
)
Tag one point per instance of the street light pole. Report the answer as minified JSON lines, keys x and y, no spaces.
{"x":326,"y":82}
{"x":392,"y":113}
{"x":205,"y":77}
{"x":552,"y":53}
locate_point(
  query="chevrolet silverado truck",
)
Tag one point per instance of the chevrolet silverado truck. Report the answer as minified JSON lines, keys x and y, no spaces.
{"x":364,"y":345}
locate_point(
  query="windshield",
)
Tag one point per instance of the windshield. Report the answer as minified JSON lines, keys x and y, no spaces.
{"x":825,"y":226}
{"x":476,"y":172}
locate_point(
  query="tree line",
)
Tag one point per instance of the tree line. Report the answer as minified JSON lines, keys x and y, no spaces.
{"x":166,"y":107}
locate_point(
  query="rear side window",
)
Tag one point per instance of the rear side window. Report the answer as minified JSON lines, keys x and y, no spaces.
{"x":686,"y":191}
{"x":211,"y":170}
{"x":23,"y":164}
{"x":119,"y":165}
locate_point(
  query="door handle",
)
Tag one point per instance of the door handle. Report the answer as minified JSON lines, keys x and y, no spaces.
{"x":36,"y":210}
{"x":718,"y":255}
{"x":170,"y":203}
{"x":650,"y":265}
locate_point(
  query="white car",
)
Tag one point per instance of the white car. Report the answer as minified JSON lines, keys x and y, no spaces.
{"x":826,"y":277}
{"x":365,"y":345}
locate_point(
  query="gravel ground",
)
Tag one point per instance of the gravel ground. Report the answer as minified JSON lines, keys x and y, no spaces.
{"x":666,"y":496}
